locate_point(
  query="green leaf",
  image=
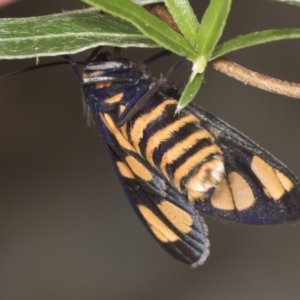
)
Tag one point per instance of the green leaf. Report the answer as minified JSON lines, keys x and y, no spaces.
{"x":210,"y":31}
{"x":190,"y":91}
{"x":151,"y":26}
{"x":212,"y":26}
{"x":69,"y":33}
{"x":185,"y":18}
{"x":255,"y":38}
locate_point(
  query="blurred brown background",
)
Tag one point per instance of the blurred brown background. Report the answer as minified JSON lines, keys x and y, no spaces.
{"x":66,"y":228}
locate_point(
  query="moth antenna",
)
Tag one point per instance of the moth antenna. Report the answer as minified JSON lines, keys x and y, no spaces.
{"x":157,"y":56}
{"x":36,"y":67}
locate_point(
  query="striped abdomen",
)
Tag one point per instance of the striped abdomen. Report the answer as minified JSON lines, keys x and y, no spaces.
{"x":178,"y":146}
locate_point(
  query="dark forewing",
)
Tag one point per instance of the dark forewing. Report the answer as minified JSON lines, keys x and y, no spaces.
{"x":257,"y":188}
{"x":167,"y":215}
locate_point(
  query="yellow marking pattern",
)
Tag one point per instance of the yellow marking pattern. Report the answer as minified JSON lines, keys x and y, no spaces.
{"x":286,"y":183}
{"x":166,"y":133}
{"x":178,"y":217}
{"x":124,"y":170}
{"x":265,"y":173}
{"x":138,"y":168}
{"x":241,"y":191}
{"x":143,"y":121}
{"x":159,"y":228}
{"x":222,"y":198}
{"x":121,"y":109}
{"x":266,"y":192}
{"x":111,"y":126}
{"x":124,"y":131}
{"x":180,"y":148}
{"x":214,"y":133}
{"x":124,"y":127}
{"x":102,"y":84}
{"x":114,"y":99}
{"x":184,"y":169}
{"x":159,"y":235}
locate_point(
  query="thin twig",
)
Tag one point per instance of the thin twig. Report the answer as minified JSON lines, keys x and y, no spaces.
{"x":232,"y":69}
{"x":264,"y":82}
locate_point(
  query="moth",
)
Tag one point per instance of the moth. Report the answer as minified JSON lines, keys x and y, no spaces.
{"x":173,"y":165}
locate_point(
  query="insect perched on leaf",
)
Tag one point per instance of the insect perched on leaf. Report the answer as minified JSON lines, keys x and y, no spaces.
{"x":173,"y":164}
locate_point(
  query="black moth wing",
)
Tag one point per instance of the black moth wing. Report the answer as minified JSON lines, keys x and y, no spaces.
{"x":167,"y":215}
{"x":257,"y":188}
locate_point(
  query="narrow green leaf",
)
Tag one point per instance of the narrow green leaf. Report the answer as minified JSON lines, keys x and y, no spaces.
{"x":185,"y":18}
{"x":69,"y":32}
{"x":151,"y":26}
{"x":255,"y":38}
{"x":190,"y":91}
{"x":210,"y":31}
{"x":212,"y":26}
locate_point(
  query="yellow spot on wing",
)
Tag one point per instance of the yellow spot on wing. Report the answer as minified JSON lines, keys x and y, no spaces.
{"x":222,"y":198}
{"x":158,"y":227}
{"x":102,"y":84}
{"x":121,"y":109}
{"x":114,"y":99}
{"x":124,"y":170}
{"x":111,"y":126}
{"x":143,"y":121}
{"x":286,"y":183}
{"x":180,"y":148}
{"x":266,"y":192}
{"x":124,"y":127}
{"x":166,"y":133}
{"x":214,"y":133}
{"x":184,"y":169}
{"x":265,"y":173}
{"x":124,"y":131}
{"x":177,"y":216}
{"x":159,"y":235}
{"x":241,"y":191}
{"x":138,"y":168}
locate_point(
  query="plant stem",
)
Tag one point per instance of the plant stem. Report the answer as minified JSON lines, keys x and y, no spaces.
{"x":264,"y":82}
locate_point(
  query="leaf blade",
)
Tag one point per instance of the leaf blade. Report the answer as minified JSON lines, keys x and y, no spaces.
{"x":212,"y":26}
{"x":149,"y":25}
{"x":185,"y":18}
{"x":66,"y":33}
{"x":190,"y":91}
{"x":255,"y":38}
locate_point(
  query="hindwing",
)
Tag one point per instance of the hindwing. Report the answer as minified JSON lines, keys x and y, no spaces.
{"x":257,"y":188}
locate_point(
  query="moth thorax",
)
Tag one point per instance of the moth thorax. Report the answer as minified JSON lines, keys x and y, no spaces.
{"x":206,"y":177}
